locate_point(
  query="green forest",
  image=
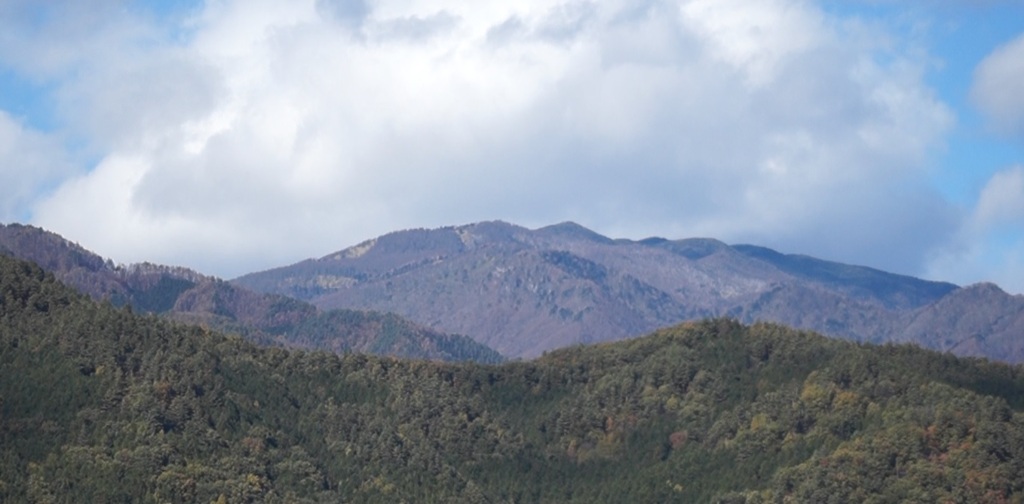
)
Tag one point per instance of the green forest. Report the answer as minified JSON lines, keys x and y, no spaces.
{"x":99,"y":404}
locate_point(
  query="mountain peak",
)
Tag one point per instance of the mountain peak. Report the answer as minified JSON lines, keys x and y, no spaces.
{"x":572,"y":230}
{"x":985,"y":288}
{"x":150,"y":269}
{"x":49,"y":250}
{"x":690,"y":248}
{"x":496,"y":231}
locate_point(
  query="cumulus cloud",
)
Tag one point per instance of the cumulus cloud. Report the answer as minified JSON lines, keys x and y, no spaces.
{"x":996,"y":89}
{"x":1001,"y":202}
{"x":989,"y":246}
{"x":277,"y":131}
{"x":30,"y":162}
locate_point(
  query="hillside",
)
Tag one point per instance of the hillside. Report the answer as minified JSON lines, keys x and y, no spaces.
{"x":524,"y":291}
{"x":98,"y":404}
{"x":182,"y":294}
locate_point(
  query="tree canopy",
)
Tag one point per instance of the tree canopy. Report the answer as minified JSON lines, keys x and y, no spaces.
{"x":98,"y":404}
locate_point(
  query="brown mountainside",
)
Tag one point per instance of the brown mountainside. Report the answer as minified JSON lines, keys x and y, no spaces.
{"x":979,"y":319}
{"x":188,"y":296}
{"x":525,"y":291}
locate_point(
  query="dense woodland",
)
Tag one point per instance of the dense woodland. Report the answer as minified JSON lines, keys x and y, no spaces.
{"x":98,"y":404}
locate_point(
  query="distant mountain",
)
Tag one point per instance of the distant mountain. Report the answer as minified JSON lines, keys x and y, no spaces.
{"x":979,"y":319}
{"x":524,"y":292}
{"x":98,"y":404}
{"x":185,"y":295}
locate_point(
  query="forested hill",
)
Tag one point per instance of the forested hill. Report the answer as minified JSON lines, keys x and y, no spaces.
{"x":182,"y":294}
{"x":98,"y":404}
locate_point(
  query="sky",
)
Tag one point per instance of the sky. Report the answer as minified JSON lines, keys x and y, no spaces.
{"x":233,"y":136}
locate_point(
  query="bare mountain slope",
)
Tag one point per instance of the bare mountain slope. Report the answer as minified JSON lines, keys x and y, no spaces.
{"x":979,"y":319}
{"x":524,"y":291}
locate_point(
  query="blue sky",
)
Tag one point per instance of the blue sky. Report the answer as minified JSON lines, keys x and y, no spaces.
{"x":233,"y":136}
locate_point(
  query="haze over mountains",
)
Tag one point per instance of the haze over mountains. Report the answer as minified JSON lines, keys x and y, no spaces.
{"x":523,"y":292}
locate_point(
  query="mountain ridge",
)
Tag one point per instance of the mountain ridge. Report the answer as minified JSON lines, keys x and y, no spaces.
{"x":100,"y":404}
{"x":525,"y":291}
{"x":185,"y":295}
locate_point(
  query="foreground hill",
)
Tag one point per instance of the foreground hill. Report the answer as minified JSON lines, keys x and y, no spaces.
{"x":100,"y":405}
{"x":524,"y":291}
{"x":183,"y":294}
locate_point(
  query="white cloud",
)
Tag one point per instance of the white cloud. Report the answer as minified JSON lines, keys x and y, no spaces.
{"x":278,"y":131}
{"x":997,"y":85}
{"x":975,"y":262}
{"x":989,"y":246}
{"x":755,"y":37}
{"x":30,"y":163}
{"x":1001,"y":203}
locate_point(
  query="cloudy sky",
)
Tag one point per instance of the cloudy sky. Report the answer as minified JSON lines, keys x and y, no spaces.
{"x":232,"y":136}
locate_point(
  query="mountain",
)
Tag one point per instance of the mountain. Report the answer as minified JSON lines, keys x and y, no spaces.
{"x":99,"y":404}
{"x":185,"y":295}
{"x":980,"y":319}
{"x":524,"y":292}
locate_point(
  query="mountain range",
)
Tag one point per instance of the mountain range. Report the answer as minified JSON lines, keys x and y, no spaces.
{"x":103,"y":404}
{"x":524,"y":292}
{"x":517,"y":293}
{"x":187,"y":296}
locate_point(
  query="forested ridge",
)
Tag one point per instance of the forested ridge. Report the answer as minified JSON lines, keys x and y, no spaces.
{"x":98,"y":404}
{"x":186,"y":295}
